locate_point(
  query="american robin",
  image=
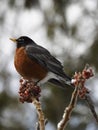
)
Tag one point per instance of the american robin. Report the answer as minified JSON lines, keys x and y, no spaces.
{"x":34,"y":62}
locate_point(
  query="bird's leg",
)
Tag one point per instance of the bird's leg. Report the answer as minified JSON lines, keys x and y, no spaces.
{"x":36,"y":83}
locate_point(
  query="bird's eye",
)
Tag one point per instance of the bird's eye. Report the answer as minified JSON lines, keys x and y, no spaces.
{"x":20,"y":40}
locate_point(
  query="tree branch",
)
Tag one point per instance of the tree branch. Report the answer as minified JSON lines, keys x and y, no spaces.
{"x":41,"y":122}
{"x":68,"y":110}
{"x":30,"y":93}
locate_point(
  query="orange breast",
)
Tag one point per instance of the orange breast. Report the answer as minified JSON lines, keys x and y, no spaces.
{"x":27,"y":67}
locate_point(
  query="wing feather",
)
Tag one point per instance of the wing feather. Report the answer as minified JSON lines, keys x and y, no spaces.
{"x":45,"y":59}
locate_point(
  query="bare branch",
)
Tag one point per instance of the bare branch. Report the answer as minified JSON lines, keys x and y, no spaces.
{"x":91,"y":106}
{"x":41,"y":118}
{"x":68,"y":110}
{"x":81,"y":91}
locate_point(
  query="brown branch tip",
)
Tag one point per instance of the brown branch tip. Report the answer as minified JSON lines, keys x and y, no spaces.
{"x":81,"y":78}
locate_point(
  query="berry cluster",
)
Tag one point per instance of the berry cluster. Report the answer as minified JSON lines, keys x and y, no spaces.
{"x":28,"y":91}
{"x":80,"y":79}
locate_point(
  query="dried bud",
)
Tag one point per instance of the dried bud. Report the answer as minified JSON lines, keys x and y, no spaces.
{"x":28,"y":91}
{"x":80,"y":78}
{"x":87,"y":73}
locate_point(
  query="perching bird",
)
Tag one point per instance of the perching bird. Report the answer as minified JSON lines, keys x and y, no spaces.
{"x":34,"y":62}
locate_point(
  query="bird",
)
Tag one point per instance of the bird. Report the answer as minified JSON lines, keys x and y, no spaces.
{"x":36,"y":63}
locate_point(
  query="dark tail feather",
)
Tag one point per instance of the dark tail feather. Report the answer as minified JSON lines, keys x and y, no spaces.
{"x":60,"y":83}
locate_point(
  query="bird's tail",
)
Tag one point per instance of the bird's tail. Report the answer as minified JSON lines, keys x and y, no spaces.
{"x":62,"y":82}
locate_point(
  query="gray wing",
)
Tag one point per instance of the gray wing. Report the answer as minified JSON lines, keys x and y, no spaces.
{"x":45,"y":59}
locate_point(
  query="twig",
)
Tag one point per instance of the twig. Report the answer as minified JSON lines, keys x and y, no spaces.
{"x":82,"y":77}
{"x":68,"y":110}
{"x":91,"y":106}
{"x":37,"y":124}
{"x":40,"y":114}
{"x":81,"y":91}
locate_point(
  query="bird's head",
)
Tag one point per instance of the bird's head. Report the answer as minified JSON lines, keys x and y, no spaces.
{"x":22,"y":41}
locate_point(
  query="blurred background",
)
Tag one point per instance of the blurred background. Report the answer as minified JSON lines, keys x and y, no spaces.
{"x":69,"y":30}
